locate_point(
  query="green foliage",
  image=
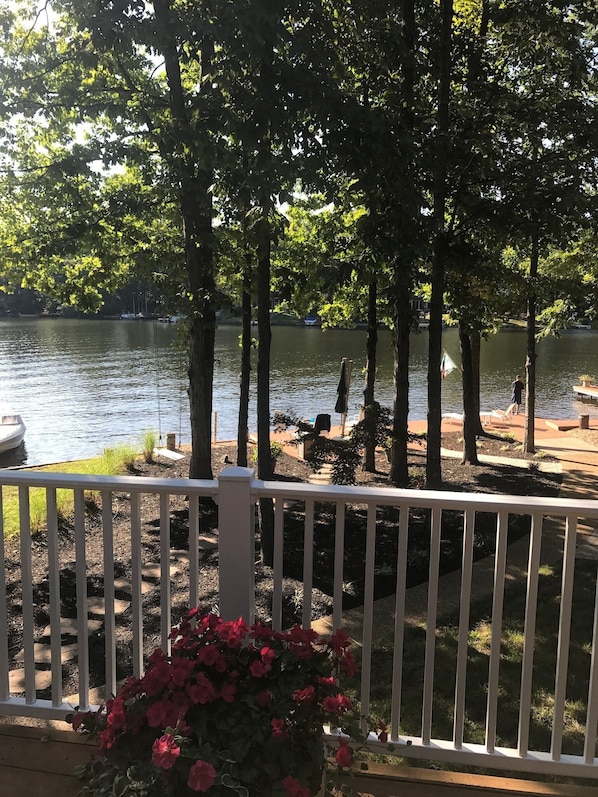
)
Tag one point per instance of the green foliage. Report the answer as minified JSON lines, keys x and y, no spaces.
{"x":150,"y":440}
{"x":112,"y":462}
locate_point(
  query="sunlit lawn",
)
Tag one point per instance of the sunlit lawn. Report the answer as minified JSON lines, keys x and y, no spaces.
{"x":113,"y":461}
{"x":543,"y":684}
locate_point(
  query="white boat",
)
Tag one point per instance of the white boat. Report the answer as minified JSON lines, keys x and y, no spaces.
{"x":12,"y":432}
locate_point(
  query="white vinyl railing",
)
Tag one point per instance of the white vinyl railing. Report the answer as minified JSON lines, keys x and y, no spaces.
{"x":23,"y":658}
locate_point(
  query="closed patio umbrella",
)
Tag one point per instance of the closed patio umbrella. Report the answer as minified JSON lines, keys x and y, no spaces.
{"x":342,"y":391}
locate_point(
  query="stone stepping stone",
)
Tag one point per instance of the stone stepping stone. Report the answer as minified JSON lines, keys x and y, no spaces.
{"x":124,"y":585}
{"x":152,"y":572}
{"x":43,"y":653}
{"x":68,"y":627}
{"x":16,"y":680}
{"x":97,"y":606}
{"x":207,"y":542}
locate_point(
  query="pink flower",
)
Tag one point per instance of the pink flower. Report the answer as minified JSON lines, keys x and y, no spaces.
{"x":343,"y":755}
{"x":258,"y":669}
{"x":165,"y":751}
{"x":208,"y":655}
{"x":201,"y":776}
{"x":304,"y":695}
{"x":293,"y":787}
{"x":278,"y":729}
{"x":264,"y":698}
{"x":383,"y":735}
{"x":203,"y":691}
{"x":336,"y":704}
{"x":116,"y":716}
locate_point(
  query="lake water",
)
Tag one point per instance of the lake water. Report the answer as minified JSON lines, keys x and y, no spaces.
{"x":84,"y":385}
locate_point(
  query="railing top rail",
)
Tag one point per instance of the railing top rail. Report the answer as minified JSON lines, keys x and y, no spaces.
{"x":389,"y":496}
{"x":132,"y":484}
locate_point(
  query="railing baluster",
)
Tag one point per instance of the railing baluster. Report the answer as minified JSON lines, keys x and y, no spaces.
{"x":498,"y":599}
{"x":193,"y":551}
{"x":308,"y":563}
{"x":368,"y":608}
{"x":278,"y":563}
{"x":165,"y":604}
{"x":399,"y":625}
{"x":54,"y":596}
{"x":339,"y":559}
{"x":589,"y":742}
{"x":463,"y":636}
{"x":136,"y":584}
{"x":529,"y":634}
{"x":27,"y":594}
{"x":4,"y":681}
{"x":560,"y":690}
{"x":430,"y":647}
{"x":109,"y":616}
{"x":82,"y":599}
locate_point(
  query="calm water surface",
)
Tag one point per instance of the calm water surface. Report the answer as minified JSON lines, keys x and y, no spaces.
{"x":82,"y":386}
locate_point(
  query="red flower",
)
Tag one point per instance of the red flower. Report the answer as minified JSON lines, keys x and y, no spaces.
{"x":304,"y":695}
{"x":278,"y":729}
{"x":202,"y":691}
{"x":293,"y":787}
{"x":383,"y":735}
{"x":343,"y":755}
{"x":201,"y":776}
{"x":336,"y":704}
{"x":116,"y":717}
{"x":165,"y":751}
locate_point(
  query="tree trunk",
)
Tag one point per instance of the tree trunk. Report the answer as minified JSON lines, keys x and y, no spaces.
{"x":399,"y":469}
{"x":433,"y":463}
{"x":530,"y":362}
{"x":194,"y":177}
{"x":470,"y":415}
{"x":475,"y":346}
{"x":370,"y":379}
{"x":243,"y":425}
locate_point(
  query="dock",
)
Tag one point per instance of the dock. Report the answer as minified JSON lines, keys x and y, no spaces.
{"x":587,"y":391}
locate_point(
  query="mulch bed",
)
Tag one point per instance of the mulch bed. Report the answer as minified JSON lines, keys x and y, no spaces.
{"x":484,"y":478}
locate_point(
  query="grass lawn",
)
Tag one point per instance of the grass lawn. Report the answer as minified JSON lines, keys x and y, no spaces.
{"x":113,"y":461}
{"x":543,"y":683}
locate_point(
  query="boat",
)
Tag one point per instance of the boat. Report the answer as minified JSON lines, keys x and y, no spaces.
{"x":12,"y":432}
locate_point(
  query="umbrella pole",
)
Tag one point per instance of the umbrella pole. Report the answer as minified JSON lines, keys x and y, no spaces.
{"x":348,"y":368}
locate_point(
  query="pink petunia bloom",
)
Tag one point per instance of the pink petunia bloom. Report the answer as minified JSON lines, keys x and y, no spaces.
{"x":336,"y":704}
{"x":202,"y":691}
{"x":201,"y":776}
{"x":264,"y":698}
{"x":117,"y":718}
{"x":383,"y":735}
{"x":165,"y":751}
{"x":278,"y":730}
{"x":293,"y":787}
{"x":258,"y":669}
{"x":304,"y":695}
{"x":343,"y":755}
{"x":208,"y":655}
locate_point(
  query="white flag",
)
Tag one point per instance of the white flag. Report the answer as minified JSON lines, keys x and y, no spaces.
{"x":447,"y":366}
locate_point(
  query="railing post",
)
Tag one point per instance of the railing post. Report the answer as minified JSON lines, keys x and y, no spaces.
{"x":236,"y":544}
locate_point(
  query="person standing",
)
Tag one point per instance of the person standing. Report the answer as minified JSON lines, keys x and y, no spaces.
{"x":516,"y":395}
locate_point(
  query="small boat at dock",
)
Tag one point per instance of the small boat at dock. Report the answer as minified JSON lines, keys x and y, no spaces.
{"x":12,"y":432}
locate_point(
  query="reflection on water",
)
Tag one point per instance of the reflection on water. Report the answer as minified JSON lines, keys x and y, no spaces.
{"x":11,"y":459}
{"x":84,"y":385}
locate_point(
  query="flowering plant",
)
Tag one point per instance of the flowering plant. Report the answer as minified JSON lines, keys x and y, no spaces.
{"x":235,"y":707}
